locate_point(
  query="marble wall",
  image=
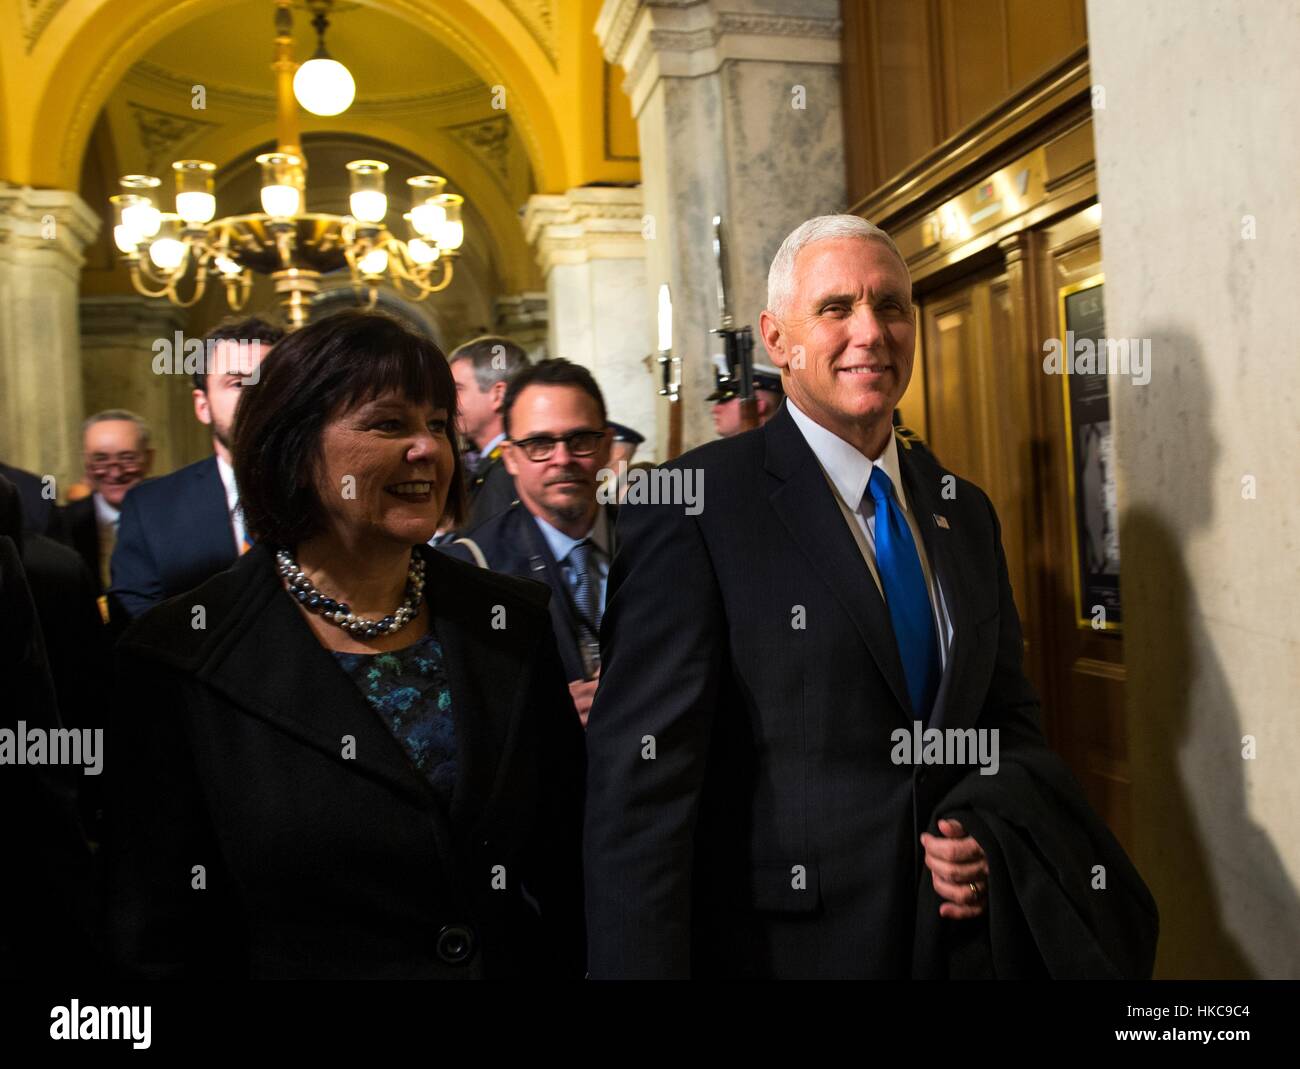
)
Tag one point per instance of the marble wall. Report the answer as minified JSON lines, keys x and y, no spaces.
{"x":1197,"y":161}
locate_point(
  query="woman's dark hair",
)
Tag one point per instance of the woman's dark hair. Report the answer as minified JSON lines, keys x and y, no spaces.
{"x":325,"y":368}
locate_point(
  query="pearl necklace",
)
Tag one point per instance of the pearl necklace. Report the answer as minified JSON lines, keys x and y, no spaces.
{"x":339,"y":613}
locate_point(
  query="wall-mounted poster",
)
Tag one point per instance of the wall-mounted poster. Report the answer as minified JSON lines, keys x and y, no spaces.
{"x":1091,"y":458}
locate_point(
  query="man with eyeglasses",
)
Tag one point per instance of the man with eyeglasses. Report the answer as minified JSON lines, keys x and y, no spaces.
{"x":117,"y":456}
{"x":557,"y":442}
{"x":185,"y":527}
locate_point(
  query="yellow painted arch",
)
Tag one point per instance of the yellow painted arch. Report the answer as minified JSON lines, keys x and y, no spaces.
{"x":91,"y":44}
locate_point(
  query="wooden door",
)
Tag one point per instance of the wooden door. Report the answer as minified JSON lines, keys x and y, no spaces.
{"x":984,"y":404}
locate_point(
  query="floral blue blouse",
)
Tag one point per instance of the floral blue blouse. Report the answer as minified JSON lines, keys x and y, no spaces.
{"x":408,"y":689}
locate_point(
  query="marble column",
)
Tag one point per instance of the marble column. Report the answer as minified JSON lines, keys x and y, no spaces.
{"x":738,"y":114}
{"x":590,"y":248}
{"x":117,"y":341}
{"x":42,"y":235}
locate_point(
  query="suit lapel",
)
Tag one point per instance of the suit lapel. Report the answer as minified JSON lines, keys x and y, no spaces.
{"x":922,"y":480}
{"x":805,"y":503}
{"x":563,"y":614}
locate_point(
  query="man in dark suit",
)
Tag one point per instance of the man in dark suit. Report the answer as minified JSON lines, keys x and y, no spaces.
{"x":481,"y":369}
{"x":65,"y":597}
{"x":49,"y":881}
{"x":558,"y":531}
{"x":751,"y":808}
{"x":39,"y":513}
{"x":116,"y":453}
{"x":176,"y":531}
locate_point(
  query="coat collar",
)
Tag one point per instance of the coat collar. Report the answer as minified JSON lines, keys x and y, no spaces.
{"x":259,"y":653}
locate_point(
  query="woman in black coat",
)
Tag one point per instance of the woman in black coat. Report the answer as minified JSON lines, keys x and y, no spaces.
{"x":347,"y":755}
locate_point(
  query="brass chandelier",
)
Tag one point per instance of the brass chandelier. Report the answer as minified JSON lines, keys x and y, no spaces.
{"x":173,"y":255}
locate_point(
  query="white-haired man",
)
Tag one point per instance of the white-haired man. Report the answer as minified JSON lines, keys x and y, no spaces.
{"x":756,"y":805}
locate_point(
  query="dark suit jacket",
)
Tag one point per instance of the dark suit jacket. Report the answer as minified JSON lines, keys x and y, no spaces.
{"x":79,"y":529}
{"x":48,"y":880}
{"x":229,"y":743}
{"x":173,"y":533}
{"x":511,"y":543}
{"x":771,"y":834}
{"x":39,"y":513}
{"x":491,"y":489}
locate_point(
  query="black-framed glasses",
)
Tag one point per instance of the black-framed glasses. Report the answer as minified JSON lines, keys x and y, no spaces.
{"x":578,"y":443}
{"x":102,"y":463}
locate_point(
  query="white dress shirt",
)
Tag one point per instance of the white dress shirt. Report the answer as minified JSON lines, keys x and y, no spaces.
{"x":232,"y":502}
{"x":848,"y":471}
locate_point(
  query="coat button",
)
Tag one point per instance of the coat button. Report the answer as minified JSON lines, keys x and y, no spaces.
{"x":455,"y":944}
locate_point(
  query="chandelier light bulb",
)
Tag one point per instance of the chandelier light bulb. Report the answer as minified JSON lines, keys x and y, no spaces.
{"x":167,"y":253}
{"x":421,"y":251}
{"x":124,"y":238}
{"x":375,"y":262}
{"x":280,"y":202}
{"x":369,"y":206}
{"x":142,"y":218}
{"x":427,"y":219}
{"x":226,"y":266}
{"x":196,"y":208}
{"x":324,"y":86}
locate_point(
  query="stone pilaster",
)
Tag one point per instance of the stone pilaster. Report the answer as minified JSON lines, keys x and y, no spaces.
{"x":738,"y":114}
{"x":42,"y":235}
{"x":590,"y":247}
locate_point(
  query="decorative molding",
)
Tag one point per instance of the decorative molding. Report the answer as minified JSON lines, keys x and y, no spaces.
{"x":36,"y":16}
{"x":490,"y":139}
{"x":26,"y":216}
{"x":652,"y":39}
{"x":539,"y":22}
{"x":162,"y":133}
{"x":586,"y":223}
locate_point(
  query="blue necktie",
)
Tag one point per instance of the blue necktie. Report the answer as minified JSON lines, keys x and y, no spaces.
{"x":906,"y":595}
{"x":584,"y":584}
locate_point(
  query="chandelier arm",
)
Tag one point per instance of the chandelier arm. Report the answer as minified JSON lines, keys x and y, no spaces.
{"x":139,"y":280}
{"x":445,"y":281}
{"x":200,"y":284}
{"x":244,"y":287}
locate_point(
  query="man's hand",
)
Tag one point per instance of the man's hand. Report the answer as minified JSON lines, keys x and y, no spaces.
{"x":582,"y":692}
{"x":956,"y":862}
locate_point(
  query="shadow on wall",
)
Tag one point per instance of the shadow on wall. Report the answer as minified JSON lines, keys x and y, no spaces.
{"x":1227,"y":905}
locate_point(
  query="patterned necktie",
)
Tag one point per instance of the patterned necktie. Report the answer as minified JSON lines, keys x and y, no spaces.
{"x":899,"y":566}
{"x":584,"y":584}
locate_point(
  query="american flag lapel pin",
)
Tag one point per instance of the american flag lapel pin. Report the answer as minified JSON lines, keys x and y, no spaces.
{"x":941,"y":521}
